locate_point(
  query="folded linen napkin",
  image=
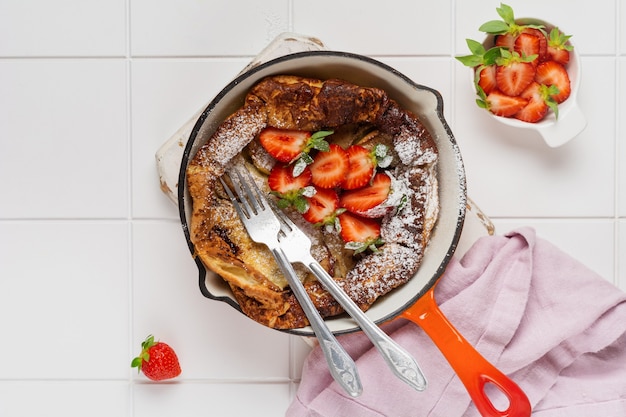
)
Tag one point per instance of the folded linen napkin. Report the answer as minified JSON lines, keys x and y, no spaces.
{"x":553,"y":326}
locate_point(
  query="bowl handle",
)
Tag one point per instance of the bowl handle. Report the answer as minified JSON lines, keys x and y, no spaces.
{"x":470,"y":366}
{"x":568,"y":126}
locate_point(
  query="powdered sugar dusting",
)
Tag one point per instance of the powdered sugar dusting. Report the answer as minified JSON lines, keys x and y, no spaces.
{"x":394,"y":266}
{"x":231,"y":137}
{"x":410,"y":148}
{"x":398,"y":191}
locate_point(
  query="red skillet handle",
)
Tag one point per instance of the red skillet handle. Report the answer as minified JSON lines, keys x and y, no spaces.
{"x":471,"y":368}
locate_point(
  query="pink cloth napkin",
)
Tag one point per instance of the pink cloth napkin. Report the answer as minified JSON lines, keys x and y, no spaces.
{"x":552,"y":325}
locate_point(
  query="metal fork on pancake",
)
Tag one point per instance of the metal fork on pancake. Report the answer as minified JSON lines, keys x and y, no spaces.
{"x":263,"y":227}
{"x":295,"y":246}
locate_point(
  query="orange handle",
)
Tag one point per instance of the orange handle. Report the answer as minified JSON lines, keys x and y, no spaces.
{"x":471,"y":368}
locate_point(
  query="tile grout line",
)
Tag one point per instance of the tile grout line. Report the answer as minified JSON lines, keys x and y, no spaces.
{"x":130,"y":228}
{"x":616,"y":156}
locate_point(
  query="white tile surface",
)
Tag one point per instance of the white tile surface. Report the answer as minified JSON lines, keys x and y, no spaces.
{"x":201,"y":28}
{"x":64,"y":299}
{"x":92,"y":256}
{"x":64,"y":148}
{"x":65,"y":398}
{"x":63,"y":28}
{"x":202,"y":399}
{"x":398,"y":28}
{"x":432,"y":72}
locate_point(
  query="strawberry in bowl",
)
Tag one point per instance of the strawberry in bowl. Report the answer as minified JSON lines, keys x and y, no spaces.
{"x":526,"y":73}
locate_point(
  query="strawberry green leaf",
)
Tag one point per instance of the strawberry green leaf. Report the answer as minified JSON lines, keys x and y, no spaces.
{"x":144,"y":356}
{"x":479,"y":56}
{"x":494,"y":27}
{"x":558,"y":39}
{"x":476,"y":58}
{"x":136,"y":363}
{"x":506,"y":13}
{"x":547,"y":93}
{"x":470,"y":60}
{"x":492,"y":54}
{"x":507,"y":57}
{"x":475,"y":47}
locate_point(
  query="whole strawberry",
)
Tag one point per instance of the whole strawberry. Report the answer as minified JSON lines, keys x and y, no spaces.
{"x":157,"y":360}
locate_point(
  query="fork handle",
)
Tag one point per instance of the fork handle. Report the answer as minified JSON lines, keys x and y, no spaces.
{"x":341,"y":365}
{"x":399,"y":360}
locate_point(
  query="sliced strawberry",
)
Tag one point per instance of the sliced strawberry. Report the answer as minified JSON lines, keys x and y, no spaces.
{"x":360,"y":200}
{"x":552,"y":73}
{"x":505,"y":40}
{"x":561,"y":56}
{"x":323,"y":206}
{"x":361,"y":170}
{"x":284,"y":145}
{"x":514,"y":76}
{"x":559,"y":47}
{"x":528,"y":45}
{"x":504,"y":105}
{"x":537,"y":108}
{"x":290,"y":190}
{"x":358,"y":229}
{"x":543,"y":42}
{"x":487,"y":79}
{"x":282,"y":181}
{"x":329,"y":168}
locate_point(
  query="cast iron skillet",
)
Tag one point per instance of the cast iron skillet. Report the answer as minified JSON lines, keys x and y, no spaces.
{"x":414,"y":300}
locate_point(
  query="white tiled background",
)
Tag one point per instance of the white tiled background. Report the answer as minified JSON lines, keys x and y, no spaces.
{"x":92,"y":257}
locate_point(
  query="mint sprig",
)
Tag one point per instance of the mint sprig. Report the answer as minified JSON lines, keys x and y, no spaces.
{"x":318,"y":142}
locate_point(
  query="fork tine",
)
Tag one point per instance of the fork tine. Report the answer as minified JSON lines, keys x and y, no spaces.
{"x":255,"y":201}
{"x":240,"y":210}
{"x":286,"y":224}
{"x":243,"y":192}
{"x":253,"y":191}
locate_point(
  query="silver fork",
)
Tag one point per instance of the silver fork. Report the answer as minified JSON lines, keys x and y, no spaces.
{"x":263,"y":227}
{"x":297,"y":247}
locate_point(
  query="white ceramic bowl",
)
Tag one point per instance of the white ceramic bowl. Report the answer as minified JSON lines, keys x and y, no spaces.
{"x":571,"y":121}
